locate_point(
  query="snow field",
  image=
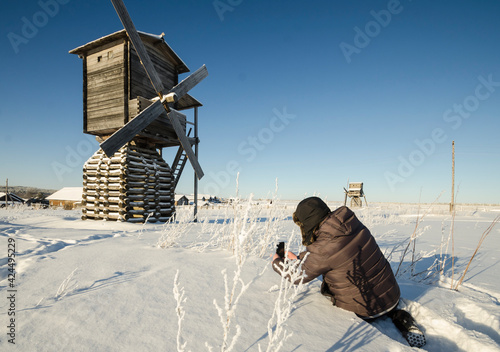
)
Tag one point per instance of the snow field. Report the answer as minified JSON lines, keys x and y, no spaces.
{"x":106,"y":286}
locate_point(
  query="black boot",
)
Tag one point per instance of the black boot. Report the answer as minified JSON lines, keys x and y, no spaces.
{"x":409,"y":329}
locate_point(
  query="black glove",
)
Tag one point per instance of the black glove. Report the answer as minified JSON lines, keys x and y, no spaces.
{"x":280,"y":249}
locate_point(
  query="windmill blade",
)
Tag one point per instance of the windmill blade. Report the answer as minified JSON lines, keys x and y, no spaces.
{"x":189,"y":82}
{"x":111,"y":145}
{"x":174,"y":117}
{"x":122,"y":12}
{"x":141,"y":121}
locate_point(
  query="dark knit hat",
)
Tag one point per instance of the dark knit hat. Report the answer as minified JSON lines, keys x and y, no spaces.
{"x":309,"y":214}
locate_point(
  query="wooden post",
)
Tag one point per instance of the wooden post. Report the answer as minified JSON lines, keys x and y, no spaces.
{"x":196,"y":155}
{"x":126,"y":78}
{"x":452,"y":204}
{"x":6,"y":192}
{"x":345,"y":190}
{"x":85,"y":116}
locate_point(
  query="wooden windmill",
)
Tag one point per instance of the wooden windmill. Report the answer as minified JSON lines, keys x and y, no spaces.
{"x":355,"y":192}
{"x":131,"y":99}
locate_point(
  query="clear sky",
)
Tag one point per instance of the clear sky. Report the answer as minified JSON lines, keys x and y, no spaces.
{"x":311,"y":93}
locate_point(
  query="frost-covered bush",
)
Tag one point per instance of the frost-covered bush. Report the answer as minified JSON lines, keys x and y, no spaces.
{"x":173,"y":230}
{"x":288,"y":292}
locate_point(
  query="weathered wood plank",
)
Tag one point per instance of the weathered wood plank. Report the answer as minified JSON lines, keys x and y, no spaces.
{"x":114,"y":110}
{"x":105,"y":111}
{"x":138,"y":45}
{"x":161,"y":65}
{"x":140,"y":84}
{"x":138,"y":74}
{"x":102,"y":69}
{"x":141,"y":88}
{"x":99,"y":95}
{"x":97,"y":98}
{"x":105,"y":121}
{"x":100,"y":98}
{"x":106,"y":79}
{"x":108,"y":124}
{"x":98,"y":101}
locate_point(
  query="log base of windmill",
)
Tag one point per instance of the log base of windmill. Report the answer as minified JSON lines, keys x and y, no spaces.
{"x":134,"y":185}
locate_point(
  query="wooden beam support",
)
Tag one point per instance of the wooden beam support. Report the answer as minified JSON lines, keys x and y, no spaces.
{"x":84,"y":60}
{"x":125,"y":82}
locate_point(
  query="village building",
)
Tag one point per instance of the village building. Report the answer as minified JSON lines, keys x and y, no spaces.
{"x":67,"y":198}
{"x":188,"y":199}
{"x":181,"y":199}
{"x":7,"y":199}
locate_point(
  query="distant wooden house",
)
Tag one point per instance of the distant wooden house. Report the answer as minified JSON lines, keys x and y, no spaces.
{"x":203,"y":199}
{"x":67,"y":198}
{"x":181,"y":199}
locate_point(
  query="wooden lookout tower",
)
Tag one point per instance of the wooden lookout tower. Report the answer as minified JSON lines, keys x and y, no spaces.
{"x":355,"y":192}
{"x":132,"y":100}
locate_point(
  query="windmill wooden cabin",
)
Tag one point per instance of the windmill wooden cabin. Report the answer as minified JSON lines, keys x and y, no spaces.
{"x":135,"y":182}
{"x":116,"y":87}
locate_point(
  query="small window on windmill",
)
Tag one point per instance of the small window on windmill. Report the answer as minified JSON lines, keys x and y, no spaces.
{"x":99,"y":58}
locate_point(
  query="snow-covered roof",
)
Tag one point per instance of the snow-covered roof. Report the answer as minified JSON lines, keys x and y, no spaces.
{"x":12,"y":197}
{"x":67,"y":193}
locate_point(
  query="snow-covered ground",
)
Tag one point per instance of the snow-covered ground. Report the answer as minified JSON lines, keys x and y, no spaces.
{"x":107,"y":286}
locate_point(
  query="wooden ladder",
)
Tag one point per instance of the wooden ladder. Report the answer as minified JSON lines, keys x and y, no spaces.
{"x":178,"y":164}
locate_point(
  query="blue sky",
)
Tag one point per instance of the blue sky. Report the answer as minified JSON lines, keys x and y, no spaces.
{"x":310,"y":93}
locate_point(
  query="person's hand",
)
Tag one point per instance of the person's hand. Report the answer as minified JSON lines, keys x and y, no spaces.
{"x":289,"y":254}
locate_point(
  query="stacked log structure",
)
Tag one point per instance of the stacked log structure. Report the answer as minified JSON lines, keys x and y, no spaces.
{"x":134,"y":185}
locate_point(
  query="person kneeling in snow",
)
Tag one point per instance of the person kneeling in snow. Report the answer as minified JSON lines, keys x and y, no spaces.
{"x":356,"y":275}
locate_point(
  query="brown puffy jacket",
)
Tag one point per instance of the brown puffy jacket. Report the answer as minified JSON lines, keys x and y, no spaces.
{"x":353,"y":267}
